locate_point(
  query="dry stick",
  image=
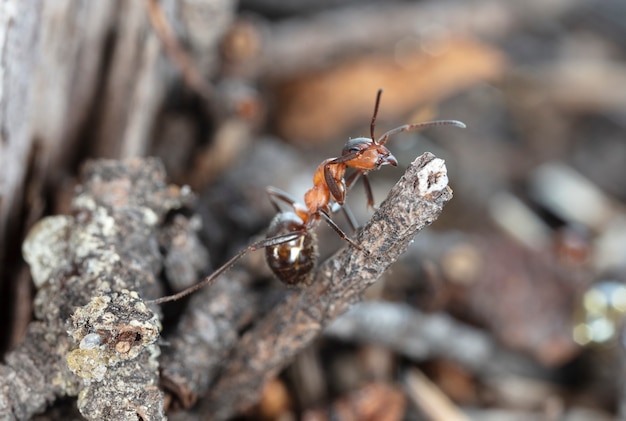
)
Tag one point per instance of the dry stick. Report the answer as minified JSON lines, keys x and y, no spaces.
{"x":414,"y":203}
{"x":421,"y":336}
{"x":205,"y":336}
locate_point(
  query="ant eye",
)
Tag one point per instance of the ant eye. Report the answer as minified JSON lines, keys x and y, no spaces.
{"x":355,"y":145}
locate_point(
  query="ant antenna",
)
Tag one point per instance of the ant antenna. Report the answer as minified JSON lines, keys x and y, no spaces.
{"x":407,"y":127}
{"x":373,"y":124}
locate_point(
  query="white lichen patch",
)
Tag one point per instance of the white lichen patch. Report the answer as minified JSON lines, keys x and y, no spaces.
{"x":45,"y":248}
{"x":433,"y":177}
{"x":150,"y":218}
{"x":91,"y":340}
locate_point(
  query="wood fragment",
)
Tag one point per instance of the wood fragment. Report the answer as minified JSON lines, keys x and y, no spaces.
{"x":90,"y":269}
{"x":181,"y":58}
{"x":431,"y":400}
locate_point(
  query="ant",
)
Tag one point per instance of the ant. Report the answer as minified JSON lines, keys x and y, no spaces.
{"x":290,"y":246}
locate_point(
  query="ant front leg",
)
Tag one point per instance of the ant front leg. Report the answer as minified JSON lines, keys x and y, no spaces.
{"x":333,"y":176}
{"x":366,"y":184}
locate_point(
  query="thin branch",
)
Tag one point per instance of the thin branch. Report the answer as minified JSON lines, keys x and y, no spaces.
{"x":420,"y":336}
{"x":414,"y":203}
{"x":205,"y":335}
{"x":430,"y":399}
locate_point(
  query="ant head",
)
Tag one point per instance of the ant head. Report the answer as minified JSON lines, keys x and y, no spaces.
{"x":368,"y":154}
{"x":365,"y":154}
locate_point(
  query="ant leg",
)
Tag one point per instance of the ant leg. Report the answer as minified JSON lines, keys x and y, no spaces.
{"x":279,"y":195}
{"x":336,"y":207}
{"x":345,"y":208}
{"x":353,"y":178}
{"x":368,"y":191}
{"x":279,"y":239}
{"x":366,"y":183}
{"x":338,"y":230}
{"x":350,"y":217}
{"x":337,"y":190}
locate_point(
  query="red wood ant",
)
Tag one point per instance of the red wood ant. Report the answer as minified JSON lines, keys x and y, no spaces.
{"x":290,"y":246}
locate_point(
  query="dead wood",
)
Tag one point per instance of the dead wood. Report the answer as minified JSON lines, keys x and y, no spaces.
{"x":90,"y":269}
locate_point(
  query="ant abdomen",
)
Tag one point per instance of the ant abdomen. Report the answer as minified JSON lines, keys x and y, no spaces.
{"x":292,"y":261}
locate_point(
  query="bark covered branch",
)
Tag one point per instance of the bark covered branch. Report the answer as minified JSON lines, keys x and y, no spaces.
{"x":94,"y":337}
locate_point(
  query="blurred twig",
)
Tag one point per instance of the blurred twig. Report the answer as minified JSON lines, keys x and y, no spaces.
{"x":422,"y":336}
{"x":432,"y":401}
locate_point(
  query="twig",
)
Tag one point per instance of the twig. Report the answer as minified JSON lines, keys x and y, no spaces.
{"x":419,"y":336}
{"x":430,"y":399}
{"x":414,"y":203}
{"x":179,"y":56}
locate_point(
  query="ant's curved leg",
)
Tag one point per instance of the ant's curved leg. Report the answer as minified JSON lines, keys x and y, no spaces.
{"x":336,"y":207}
{"x":337,"y":189}
{"x":338,"y":230}
{"x":366,"y":184}
{"x":368,"y":192}
{"x":279,"y":239}
{"x":354,"y":225}
{"x":280,"y":195}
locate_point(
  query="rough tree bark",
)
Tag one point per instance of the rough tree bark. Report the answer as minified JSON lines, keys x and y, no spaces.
{"x":94,"y":337}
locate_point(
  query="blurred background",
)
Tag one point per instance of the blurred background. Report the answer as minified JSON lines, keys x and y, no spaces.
{"x":509,"y":307}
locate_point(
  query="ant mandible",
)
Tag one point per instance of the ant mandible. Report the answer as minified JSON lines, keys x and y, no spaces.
{"x":291,"y":249}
